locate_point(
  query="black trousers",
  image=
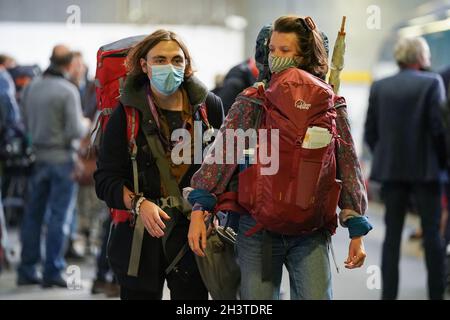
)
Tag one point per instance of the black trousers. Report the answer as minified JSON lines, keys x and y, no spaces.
{"x":182,"y":286}
{"x":427,"y":197}
{"x":447,"y":227}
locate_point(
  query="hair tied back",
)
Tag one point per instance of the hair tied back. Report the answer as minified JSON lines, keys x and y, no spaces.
{"x":310,"y":24}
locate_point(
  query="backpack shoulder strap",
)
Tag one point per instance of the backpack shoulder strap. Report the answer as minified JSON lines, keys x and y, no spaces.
{"x":203,"y":111}
{"x":132,"y":118}
{"x":132,"y":123}
{"x":167,"y":181}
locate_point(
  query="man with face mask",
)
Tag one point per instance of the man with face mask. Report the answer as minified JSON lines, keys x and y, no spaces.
{"x":55,"y":122}
{"x":161,"y":89}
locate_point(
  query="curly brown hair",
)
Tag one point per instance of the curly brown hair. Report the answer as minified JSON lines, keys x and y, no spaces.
{"x":310,"y":43}
{"x":141,"y":49}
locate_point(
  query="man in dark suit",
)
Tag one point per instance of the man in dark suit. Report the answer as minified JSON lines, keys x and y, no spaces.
{"x":445,"y":74}
{"x":405,"y":132}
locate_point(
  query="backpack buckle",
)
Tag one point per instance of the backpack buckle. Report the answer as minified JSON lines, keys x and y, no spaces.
{"x":168,"y":202}
{"x":164,"y":202}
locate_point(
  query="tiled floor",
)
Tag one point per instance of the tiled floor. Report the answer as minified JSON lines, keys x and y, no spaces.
{"x":348,"y":284}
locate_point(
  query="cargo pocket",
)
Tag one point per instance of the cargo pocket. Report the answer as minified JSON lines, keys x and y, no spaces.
{"x":247,"y":187}
{"x":309,"y":166}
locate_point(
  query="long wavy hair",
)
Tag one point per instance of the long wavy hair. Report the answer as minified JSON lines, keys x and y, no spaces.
{"x":140,"y":51}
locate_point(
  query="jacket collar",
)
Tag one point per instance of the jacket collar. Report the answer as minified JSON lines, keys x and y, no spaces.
{"x":134,"y":93}
{"x":52,"y":70}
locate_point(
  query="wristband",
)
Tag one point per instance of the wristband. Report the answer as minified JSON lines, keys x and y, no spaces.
{"x":138,"y":205}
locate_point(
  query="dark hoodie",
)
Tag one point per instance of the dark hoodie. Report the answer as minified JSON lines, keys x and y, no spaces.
{"x":238,"y":78}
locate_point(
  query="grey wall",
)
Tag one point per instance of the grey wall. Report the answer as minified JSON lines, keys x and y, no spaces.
{"x":363,"y":44}
{"x":117,"y":11}
{"x":103,"y":11}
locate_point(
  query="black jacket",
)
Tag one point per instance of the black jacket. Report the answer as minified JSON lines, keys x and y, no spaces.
{"x":404,"y":127}
{"x":114,"y":170}
{"x":240,"y":77}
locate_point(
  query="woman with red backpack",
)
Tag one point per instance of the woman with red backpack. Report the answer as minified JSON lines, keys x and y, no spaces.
{"x":292,"y":212}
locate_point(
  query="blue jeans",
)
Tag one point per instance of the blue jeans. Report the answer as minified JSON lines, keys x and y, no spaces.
{"x":51,"y":190}
{"x":306,"y":259}
{"x":231,"y":218}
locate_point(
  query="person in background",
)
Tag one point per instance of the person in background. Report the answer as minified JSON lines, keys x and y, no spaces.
{"x":7,"y":62}
{"x":10,"y":125}
{"x":405,"y":132}
{"x":237,"y":79}
{"x":445,"y":74}
{"x":22,"y":76}
{"x":10,"y":110}
{"x":218,"y":83}
{"x":53,"y":116}
{"x":80,"y":77}
{"x":89,"y":211}
{"x":102,"y":283}
{"x":91,"y":214}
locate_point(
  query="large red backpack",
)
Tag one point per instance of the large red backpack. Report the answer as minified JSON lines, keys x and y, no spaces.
{"x":110,"y":77}
{"x":303,"y":195}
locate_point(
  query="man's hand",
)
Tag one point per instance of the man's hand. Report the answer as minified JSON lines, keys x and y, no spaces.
{"x":151,"y":216}
{"x":356,"y":254}
{"x":197,"y":233}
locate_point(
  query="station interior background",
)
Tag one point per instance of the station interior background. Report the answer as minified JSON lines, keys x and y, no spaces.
{"x":220,"y":34}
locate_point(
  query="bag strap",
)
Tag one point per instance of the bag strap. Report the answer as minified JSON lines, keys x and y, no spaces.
{"x":266,"y":245}
{"x":177,"y":259}
{"x":132,"y":131}
{"x":138,"y":235}
{"x":168,"y":181}
{"x":203,"y":110}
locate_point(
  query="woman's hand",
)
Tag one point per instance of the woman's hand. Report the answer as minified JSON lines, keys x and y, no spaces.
{"x":197,"y":233}
{"x":151,"y":216}
{"x":356,"y":254}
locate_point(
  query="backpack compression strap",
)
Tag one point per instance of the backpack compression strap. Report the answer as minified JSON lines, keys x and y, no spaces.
{"x":138,"y":234}
{"x":167,"y":180}
{"x":132,"y":119}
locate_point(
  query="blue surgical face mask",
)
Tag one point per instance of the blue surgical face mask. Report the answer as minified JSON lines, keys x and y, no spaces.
{"x":166,"y":78}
